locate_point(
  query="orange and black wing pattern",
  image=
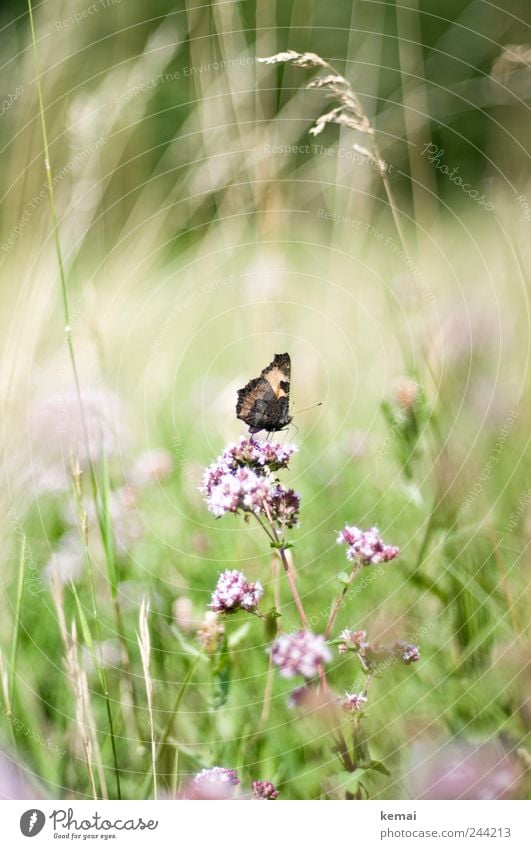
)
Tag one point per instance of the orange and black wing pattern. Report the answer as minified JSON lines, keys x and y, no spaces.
{"x":264,"y":403}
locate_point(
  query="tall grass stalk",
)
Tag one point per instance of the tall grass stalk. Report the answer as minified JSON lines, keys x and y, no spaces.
{"x":66,"y":315}
{"x":144,"y":644}
{"x":98,"y":666}
{"x":53,"y":211}
{"x":18,"y":609}
{"x":4,"y":682}
{"x":77,"y":679}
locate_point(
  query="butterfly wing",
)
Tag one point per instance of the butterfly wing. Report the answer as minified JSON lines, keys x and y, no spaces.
{"x":263,"y":403}
{"x":278,"y":373}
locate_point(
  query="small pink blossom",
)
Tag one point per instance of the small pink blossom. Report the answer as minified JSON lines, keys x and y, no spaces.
{"x":233,"y":592}
{"x":352,"y":641}
{"x":407,"y":652}
{"x":264,"y":790}
{"x":353,"y":702}
{"x":367,"y":547}
{"x":283,"y":506}
{"x":300,"y":654}
{"x":406,"y":393}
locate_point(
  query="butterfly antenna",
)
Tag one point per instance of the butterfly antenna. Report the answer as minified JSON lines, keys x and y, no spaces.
{"x":313,"y":406}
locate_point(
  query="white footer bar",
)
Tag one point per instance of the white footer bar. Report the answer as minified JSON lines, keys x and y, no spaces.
{"x":252,"y":825}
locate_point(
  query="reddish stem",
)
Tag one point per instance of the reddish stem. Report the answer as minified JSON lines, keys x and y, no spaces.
{"x":339,"y":601}
{"x":289,"y":574}
{"x":293,"y":587}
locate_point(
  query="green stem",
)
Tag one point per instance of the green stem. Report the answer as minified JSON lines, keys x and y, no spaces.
{"x":425,"y":542}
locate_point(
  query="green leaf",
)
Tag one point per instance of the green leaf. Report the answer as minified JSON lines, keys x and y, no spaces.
{"x":361,"y":748}
{"x":239,"y":635}
{"x":186,"y":645}
{"x":270,"y":624}
{"x":378,"y":766}
{"x":85,"y":630}
{"x":388,"y":413}
{"x":221,"y":673}
{"x":350,"y":780}
{"x":343,"y":578}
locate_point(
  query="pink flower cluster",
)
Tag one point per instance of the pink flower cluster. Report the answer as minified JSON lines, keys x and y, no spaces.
{"x":242,"y":489}
{"x":247,"y":453}
{"x":352,"y":641}
{"x":366,"y":547}
{"x":353,"y":702}
{"x":284,"y":505}
{"x":233,"y":592}
{"x":242,"y":479}
{"x":264,"y":790}
{"x":300,"y":654}
{"x":255,"y":454}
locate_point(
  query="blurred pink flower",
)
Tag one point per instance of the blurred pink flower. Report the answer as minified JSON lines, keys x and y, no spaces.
{"x":66,"y":562}
{"x":16,"y":782}
{"x":214,"y":783}
{"x":463,"y":770}
{"x":184,"y":614}
{"x":151,"y":467}
{"x":58,"y":435}
{"x":406,"y":393}
{"x":300,"y":654}
{"x":127,"y":526}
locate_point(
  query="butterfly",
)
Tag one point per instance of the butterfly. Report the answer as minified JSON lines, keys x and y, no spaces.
{"x":264,"y":403}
